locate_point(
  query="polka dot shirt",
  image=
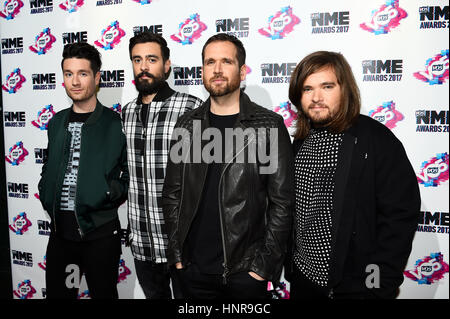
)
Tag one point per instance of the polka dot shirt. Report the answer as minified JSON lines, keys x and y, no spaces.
{"x":315,"y":168}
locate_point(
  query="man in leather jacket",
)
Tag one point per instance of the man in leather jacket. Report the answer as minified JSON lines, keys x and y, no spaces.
{"x":228,"y":217}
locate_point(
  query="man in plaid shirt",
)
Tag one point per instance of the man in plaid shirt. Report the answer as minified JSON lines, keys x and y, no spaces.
{"x":148,"y":122}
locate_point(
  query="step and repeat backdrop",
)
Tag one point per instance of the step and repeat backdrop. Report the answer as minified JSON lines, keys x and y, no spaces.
{"x":398,"y":50}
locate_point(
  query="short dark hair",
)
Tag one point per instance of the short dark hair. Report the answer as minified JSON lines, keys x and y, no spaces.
{"x":83,"y":51}
{"x":146,"y":36}
{"x":350,"y":97}
{"x":240,"y":50}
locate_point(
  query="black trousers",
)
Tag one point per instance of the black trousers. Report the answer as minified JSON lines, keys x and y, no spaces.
{"x":154,"y":279}
{"x":98,"y":259}
{"x":197,"y":285}
{"x":304,"y":288}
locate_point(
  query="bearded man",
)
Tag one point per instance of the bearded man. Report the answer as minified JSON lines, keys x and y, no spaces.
{"x":148,"y":122}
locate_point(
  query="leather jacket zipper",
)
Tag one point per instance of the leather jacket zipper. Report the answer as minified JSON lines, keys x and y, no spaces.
{"x":225,"y":259}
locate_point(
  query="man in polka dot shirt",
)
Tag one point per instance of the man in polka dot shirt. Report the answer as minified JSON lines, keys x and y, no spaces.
{"x":356,"y":193}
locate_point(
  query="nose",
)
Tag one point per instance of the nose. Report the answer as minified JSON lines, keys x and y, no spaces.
{"x":317,"y":96}
{"x":145,"y":65}
{"x":217,"y":67}
{"x":75,"y":80}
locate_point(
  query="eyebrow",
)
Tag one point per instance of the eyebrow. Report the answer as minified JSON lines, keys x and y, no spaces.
{"x":147,"y":56}
{"x":220,"y":59}
{"x":322,"y":84}
{"x":82,"y":70}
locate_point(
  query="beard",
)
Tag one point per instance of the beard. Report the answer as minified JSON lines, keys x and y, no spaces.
{"x":217,"y":91}
{"x":146,"y":87}
{"x":318,"y":119}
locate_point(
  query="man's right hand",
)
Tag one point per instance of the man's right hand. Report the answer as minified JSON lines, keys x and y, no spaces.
{"x":179,"y":265}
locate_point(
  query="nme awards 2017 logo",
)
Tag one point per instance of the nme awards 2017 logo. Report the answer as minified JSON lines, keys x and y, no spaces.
{"x":14,"y":81}
{"x":285,"y":110}
{"x":11,"y":8}
{"x":428,"y":270}
{"x":436,"y":71}
{"x":110,"y":36}
{"x":280,"y":24}
{"x":387,"y":114}
{"x":386,"y":18}
{"x":20,"y":224}
{"x":189,"y":30}
{"x":43,"y":42}
{"x":435,"y":171}
{"x":71,"y":5}
{"x":43,"y":117}
{"x":16,"y":154}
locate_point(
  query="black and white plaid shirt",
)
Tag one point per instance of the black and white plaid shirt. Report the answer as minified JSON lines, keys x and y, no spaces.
{"x":147,"y":149}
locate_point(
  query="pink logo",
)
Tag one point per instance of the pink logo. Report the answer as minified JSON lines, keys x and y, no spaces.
{"x":436,"y":71}
{"x":84,"y":295}
{"x":10,"y":9}
{"x":435,"y":171}
{"x":110,"y":36}
{"x":387,"y":114}
{"x":43,"y":117}
{"x":71,"y":5}
{"x":285,"y":110}
{"x":14,"y":81}
{"x":386,"y":18}
{"x":143,"y":1}
{"x":24,"y":290}
{"x":117,"y":108}
{"x":43,"y":264}
{"x":16,"y":154}
{"x":43,"y":42}
{"x":20,"y":224}
{"x":428,"y":270}
{"x":280,"y":24}
{"x":189,"y":30}
{"x":124,"y":271}
{"x":278,"y":292}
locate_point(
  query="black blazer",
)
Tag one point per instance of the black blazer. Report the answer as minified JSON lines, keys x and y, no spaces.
{"x":376,"y":207}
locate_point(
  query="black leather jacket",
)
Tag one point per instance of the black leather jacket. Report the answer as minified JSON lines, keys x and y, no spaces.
{"x":255,"y":207}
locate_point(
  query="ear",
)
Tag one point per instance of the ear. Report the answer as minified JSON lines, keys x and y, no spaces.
{"x":97,"y":78}
{"x":243,"y":72}
{"x":167,"y":66}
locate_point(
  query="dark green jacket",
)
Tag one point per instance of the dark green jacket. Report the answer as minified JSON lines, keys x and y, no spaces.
{"x":102,"y":182}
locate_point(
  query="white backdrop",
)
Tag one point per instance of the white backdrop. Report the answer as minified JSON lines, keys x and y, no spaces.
{"x":398,"y":50}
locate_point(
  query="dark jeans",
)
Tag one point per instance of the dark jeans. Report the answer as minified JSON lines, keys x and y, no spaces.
{"x":197,"y":285}
{"x":154,"y":279}
{"x":98,"y":259}
{"x":303,"y":288}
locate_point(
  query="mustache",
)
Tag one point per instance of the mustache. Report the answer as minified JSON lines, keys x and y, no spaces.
{"x":218,"y":77}
{"x":147,"y":74}
{"x":317,"y":104}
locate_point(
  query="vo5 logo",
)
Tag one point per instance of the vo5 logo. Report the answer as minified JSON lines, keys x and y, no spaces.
{"x":435,"y":171}
{"x":189,"y":30}
{"x":437,"y":69}
{"x":387,"y":114}
{"x":429,"y":269}
{"x":280,"y":24}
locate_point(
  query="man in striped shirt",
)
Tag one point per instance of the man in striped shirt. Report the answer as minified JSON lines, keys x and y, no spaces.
{"x":148,"y":122}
